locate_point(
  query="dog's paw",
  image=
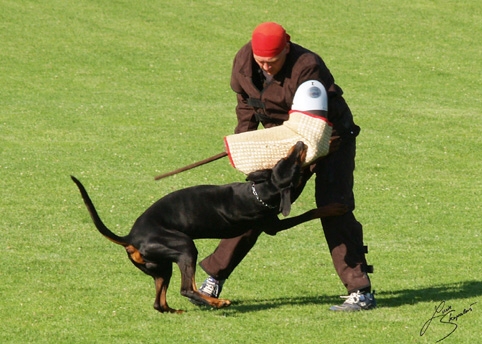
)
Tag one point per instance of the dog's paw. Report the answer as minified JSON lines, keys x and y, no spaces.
{"x":221,"y":303}
{"x":333,"y":209}
{"x":167,"y":309}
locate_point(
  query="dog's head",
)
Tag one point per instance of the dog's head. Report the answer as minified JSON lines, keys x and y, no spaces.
{"x":285,"y":175}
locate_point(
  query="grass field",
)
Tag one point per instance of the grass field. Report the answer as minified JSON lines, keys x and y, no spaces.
{"x":116,"y":92}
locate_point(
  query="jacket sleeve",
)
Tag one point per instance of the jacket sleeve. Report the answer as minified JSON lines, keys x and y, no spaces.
{"x":246,"y":119}
{"x":245,"y":113}
{"x":313,"y":68}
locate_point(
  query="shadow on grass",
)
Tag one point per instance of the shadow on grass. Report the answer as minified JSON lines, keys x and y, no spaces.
{"x":442,"y":292}
{"x":255,"y":305}
{"x":394,"y":298}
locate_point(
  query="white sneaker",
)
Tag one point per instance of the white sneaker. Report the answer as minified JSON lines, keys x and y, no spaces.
{"x":356,"y":302}
{"x":210,"y":287}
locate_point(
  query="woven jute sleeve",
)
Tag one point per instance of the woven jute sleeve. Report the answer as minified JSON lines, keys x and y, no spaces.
{"x":255,"y":150}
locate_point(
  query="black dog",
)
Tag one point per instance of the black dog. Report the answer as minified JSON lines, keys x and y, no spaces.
{"x":164,"y":233}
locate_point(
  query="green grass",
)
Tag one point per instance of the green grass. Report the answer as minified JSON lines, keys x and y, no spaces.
{"x":117,"y":92}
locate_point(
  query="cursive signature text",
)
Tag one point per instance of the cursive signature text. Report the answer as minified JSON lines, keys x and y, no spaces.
{"x":447,"y":316}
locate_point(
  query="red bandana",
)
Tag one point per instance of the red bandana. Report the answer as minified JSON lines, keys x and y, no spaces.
{"x":269,"y":39}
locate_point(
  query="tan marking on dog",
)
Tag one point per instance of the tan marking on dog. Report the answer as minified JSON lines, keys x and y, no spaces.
{"x":135,"y":254}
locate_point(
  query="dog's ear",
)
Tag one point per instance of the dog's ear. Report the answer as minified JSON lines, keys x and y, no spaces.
{"x":259,"y":176}
{"x":285,"y":204}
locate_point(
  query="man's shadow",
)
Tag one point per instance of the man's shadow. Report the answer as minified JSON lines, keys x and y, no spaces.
{"x":443,"y":292}
{"x":393,"y":298}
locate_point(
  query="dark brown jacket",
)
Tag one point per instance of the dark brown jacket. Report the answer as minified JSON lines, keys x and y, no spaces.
{"x":270,"y":105}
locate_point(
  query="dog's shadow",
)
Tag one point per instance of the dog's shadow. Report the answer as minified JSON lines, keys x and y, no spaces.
{"x":394,"y":298}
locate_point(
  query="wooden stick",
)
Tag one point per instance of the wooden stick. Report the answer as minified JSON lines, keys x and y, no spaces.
{"x":191,"y":166}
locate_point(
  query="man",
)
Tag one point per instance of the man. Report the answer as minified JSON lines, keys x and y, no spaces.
{"x":266,"y":73}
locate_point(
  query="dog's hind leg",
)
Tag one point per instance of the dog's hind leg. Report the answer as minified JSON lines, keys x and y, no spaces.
{"x":162,"y":283}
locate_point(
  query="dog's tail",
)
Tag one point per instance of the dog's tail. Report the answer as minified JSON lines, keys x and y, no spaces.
{"x":95,"y":217}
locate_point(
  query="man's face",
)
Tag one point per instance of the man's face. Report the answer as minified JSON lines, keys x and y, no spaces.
{"x":272,"y":65}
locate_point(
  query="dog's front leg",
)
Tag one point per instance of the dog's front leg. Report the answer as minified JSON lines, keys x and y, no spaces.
{"x":189,"y":289}
{"x":273,"y":225}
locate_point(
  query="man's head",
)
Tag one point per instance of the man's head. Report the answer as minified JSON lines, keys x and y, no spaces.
{"x":270,"y":44}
